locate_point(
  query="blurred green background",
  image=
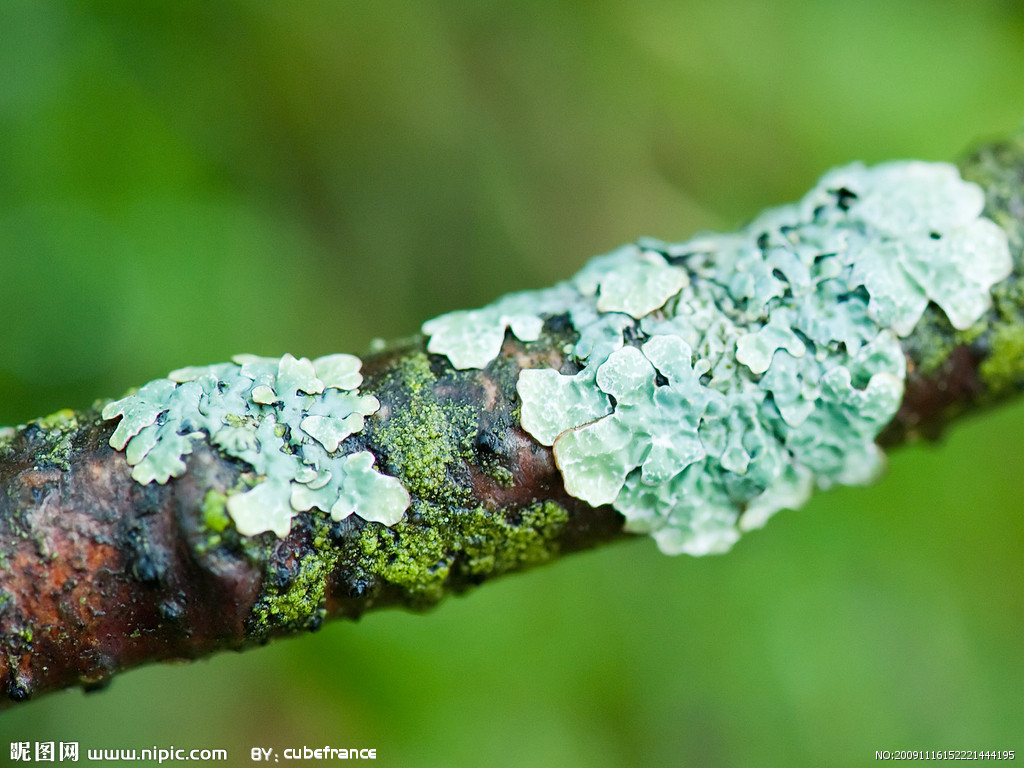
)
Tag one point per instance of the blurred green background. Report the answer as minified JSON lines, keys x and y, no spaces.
{"x":181,"y":182}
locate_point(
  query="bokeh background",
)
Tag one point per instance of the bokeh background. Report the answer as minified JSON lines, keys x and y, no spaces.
{"x":184,"y":181}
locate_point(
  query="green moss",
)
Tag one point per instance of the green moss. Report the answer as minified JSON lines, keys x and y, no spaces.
{"x":445,"y":551}
{"x":302,"y":605}
{"x":64,"y":420}
{"x":932,"y":342}
{"x":214,"y":509}
{"x":425,"y":438}
{"x":997,"y":168}
{"x":446,"y":542}
{"x":1003,"y":370}
{"x":412,"y":558}
{"x":497,"y":543}
{"x":503,"y":476}
{"x":7,"y":436}
{"x":57,"y":431}
{"x":295,"y":600}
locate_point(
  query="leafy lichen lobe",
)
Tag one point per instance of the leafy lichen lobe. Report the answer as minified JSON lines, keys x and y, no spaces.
{"x":720,"y":379}
{"x":287,"y":418}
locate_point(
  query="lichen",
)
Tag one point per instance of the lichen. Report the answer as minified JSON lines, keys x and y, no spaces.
{"x":553,"y":403}
{"x":471,"y":339}
{"x":287,"y":418}
{"x":640,"y":286}
{"x":720,"y":379}
{"x":7,"y":437}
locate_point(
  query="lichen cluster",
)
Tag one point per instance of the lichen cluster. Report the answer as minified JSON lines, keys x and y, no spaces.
{"x":284,"y":417}
{"x":715,"y":381}
{"x":721,"y":379}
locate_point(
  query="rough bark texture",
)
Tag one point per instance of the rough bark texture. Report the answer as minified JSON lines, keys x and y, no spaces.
{"x":99,"y":573}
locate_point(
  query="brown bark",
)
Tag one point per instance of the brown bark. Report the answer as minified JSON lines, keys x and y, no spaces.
{"x":99,"y":573}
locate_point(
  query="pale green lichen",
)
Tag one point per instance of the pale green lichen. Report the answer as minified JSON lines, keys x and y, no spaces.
{"x":553,"y":403}
{"x":640,"y":286}
{"x":286,"y":418}
{"x":369,"y":494}
{"x":723,"y":377}
{"x":471,"y":339}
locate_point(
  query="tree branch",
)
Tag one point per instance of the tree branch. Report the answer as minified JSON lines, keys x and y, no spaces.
{"x":100,"y":572}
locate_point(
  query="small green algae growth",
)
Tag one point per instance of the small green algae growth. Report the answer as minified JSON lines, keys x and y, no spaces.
{"x":424,"y":558}
{"x":57,"y":431}
{"x":428,"y":555}
{"x":215,"y":522}
{"x":505,"y":541}
{"x":998,"y":168}
{"x":503,"y":476}
{"x":1003,"y":369}
{"x":215,"y":515}
{"x":425,"y":438}
{"x":932,"y":342}
{"x":64,"y":420}
{"x":285,"y":417}
{"x":295,"y":600}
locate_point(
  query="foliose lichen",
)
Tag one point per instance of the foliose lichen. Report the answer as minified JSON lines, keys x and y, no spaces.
{"x":721,"y":379}
{"x":286,"y":418}
{"x":472,"y":338}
